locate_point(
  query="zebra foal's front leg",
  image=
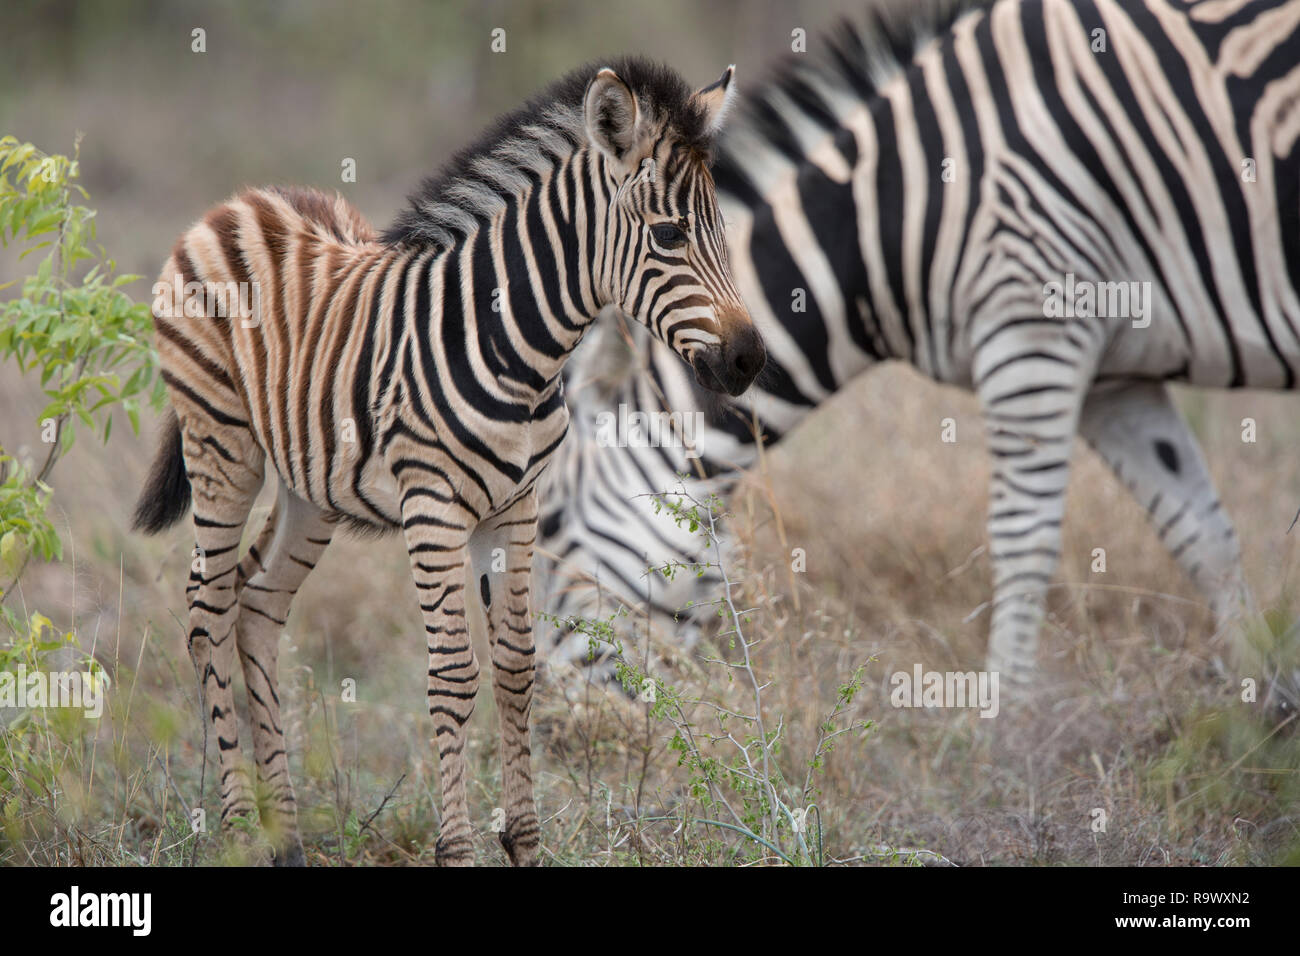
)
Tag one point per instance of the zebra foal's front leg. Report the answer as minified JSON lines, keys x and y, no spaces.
{"x":503,"y":554}
{"x":437,"y":529}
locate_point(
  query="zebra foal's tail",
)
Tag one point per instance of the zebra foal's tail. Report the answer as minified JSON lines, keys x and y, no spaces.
{"x":166,"y":494}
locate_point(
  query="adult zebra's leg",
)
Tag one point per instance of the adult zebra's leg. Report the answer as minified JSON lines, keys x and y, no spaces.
{"x":503,"y":553}
{"x":224,"y":465}
{"x":437,"y":530}
{"x":295,"y":537}
{"x":1029,"y":396}
{"x":1139,"y":433}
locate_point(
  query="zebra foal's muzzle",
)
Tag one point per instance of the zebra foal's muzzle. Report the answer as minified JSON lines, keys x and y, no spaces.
{"x":732,"y":365}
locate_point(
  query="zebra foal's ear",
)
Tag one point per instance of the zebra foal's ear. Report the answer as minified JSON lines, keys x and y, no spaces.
{"x":716,"y":98}
{"x":613,"y":118}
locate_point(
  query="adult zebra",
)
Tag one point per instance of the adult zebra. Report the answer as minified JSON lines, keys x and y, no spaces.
{"x":928,"y":189}
{"x":413,"y":382}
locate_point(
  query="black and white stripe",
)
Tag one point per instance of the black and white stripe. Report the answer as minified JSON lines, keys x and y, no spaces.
{"x":926,"y":180}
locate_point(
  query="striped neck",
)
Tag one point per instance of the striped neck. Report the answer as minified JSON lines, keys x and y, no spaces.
{"x":526,"y":284}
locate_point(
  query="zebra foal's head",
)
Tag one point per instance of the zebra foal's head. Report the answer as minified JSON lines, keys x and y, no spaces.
{"x":663,"y":252}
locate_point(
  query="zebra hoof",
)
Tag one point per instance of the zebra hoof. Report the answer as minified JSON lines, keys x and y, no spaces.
{"x":454,"y":852}
{"x":1282,"y":701}
{"x":520,"y":847}
{"x":291,"y":855}
{"x":244,"y":847}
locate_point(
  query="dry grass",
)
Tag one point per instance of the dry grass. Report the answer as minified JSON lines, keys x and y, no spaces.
{"x":1130,"y":716}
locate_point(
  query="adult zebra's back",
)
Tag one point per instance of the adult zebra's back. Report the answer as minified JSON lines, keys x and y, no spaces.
{"x":1059,"y":204}
{"x":412,"y":382}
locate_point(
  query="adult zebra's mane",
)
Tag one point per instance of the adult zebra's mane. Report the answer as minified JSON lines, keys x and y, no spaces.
{"x":477,"y":181}
{"x":859,"y":56}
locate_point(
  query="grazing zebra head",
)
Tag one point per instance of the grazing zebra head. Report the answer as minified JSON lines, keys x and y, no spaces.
{"x":662,"y":254}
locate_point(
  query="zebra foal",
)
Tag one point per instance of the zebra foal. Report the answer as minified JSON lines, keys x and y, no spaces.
{"x":412,"y":381}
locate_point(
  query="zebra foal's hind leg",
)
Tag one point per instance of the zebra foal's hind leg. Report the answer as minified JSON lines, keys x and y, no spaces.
{"x":224,"y":465}
{"x":292,"y":542}
{"x":502,"y":550}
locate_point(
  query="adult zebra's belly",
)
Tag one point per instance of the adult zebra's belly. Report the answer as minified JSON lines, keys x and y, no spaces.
{"x":1206,"y":351}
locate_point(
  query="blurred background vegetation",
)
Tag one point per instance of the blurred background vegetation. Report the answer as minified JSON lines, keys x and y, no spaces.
{"x":287,"y":90}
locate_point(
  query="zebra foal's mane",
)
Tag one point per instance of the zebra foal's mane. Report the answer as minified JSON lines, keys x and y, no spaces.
{"x":527,"y":142}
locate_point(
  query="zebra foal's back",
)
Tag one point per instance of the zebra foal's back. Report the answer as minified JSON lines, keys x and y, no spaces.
{"x":267,"y":314}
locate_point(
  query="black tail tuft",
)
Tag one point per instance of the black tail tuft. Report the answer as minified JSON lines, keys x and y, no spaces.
{"x":166,"y":495}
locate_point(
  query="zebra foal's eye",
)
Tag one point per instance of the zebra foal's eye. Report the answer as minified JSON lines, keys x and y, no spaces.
{"x":668,"y":234}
